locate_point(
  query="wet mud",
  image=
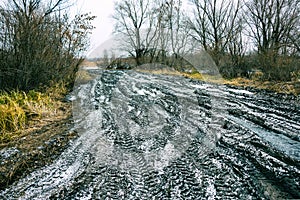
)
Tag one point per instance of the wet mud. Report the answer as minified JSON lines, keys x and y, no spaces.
{"x":146,"y":136}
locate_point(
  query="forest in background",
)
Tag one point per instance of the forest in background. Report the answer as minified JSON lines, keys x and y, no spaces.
{"x":245,"y":38}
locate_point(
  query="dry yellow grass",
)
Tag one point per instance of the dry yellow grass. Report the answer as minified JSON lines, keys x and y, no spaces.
{"x":291,"y":87}
{"x":196,"y":75}
{"x":20,"y":110}
{"x":88,"y":63}
{"x":29,"y":142}
{"x":83,"y":76}
{"x":161,"y":71}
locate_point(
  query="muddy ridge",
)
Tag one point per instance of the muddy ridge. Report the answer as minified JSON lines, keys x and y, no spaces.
{"x":145,"y":136}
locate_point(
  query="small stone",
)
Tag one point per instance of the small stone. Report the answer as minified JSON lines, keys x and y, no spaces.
{"x":41,"y":148}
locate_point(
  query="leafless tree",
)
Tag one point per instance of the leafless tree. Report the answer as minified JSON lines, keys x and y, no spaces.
{"x":213,"y":23}
{"x":273,"y":24}
{"x":136,"y":22}
{"x":175,"y":28}
{"x":153,"y":29}
{"x":105,"y":58}
{"x":274,"y":27}
{"x":236,"y":46}
{"x":294,"y":39}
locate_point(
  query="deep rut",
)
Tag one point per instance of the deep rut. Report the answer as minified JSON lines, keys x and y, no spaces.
{"x":162,"y":137}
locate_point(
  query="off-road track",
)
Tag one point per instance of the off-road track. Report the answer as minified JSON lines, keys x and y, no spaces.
{"x":146,"y":136}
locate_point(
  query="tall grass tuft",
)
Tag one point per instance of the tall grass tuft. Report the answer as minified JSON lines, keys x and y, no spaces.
{"x":17,"y":108}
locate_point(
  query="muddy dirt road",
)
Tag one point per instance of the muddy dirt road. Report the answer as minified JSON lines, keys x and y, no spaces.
{"x":148,"y":136}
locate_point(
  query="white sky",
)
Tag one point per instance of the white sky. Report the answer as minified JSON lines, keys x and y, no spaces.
{"x":103,"y":9}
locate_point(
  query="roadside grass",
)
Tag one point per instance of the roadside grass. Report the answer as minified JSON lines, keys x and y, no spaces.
{"x":37,"y":125}
{"x":160,"y":71}
{"x":21,"y":110}
{"x":194,"y":75}
{"x":35,"y":147}
{"x":290,"y":87}
{"x":83,"y":76}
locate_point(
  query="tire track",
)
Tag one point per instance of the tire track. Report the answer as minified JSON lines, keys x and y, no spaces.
{"x":161,"y":137}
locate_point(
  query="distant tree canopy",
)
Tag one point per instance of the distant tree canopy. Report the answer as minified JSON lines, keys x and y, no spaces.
{"x":239,"y":35}
{"x":151,"y":24}
{"x":39,"y":43}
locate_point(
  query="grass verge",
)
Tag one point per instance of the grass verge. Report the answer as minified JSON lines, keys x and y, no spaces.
{"x":18,"y":108}
{"x":23,"y":110}
{"x":291,"y":87}
{"x":35,"y":128}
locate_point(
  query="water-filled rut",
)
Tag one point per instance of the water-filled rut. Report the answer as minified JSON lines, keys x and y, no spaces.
{"x":148,"y":136}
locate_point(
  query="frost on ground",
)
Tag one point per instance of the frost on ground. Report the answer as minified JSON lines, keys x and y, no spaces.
{"x":148,"y":136}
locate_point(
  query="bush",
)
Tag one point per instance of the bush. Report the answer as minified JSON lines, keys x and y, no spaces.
{"x":39,"y":47}
{"x":233,"y":66}
{"x":264,"y":67}
{"x":278,"y":67}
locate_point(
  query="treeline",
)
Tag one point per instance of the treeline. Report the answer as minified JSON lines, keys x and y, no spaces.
{"x":40,"y":44}
{"x":241,"y":36}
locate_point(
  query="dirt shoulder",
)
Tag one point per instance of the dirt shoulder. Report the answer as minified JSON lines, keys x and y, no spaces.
{"x":38,"y":145}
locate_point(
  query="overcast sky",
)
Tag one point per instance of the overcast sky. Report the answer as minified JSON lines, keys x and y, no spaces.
{"x":103,"y":9}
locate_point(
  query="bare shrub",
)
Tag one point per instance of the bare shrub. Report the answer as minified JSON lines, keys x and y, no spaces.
{"x":39,"y":44}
